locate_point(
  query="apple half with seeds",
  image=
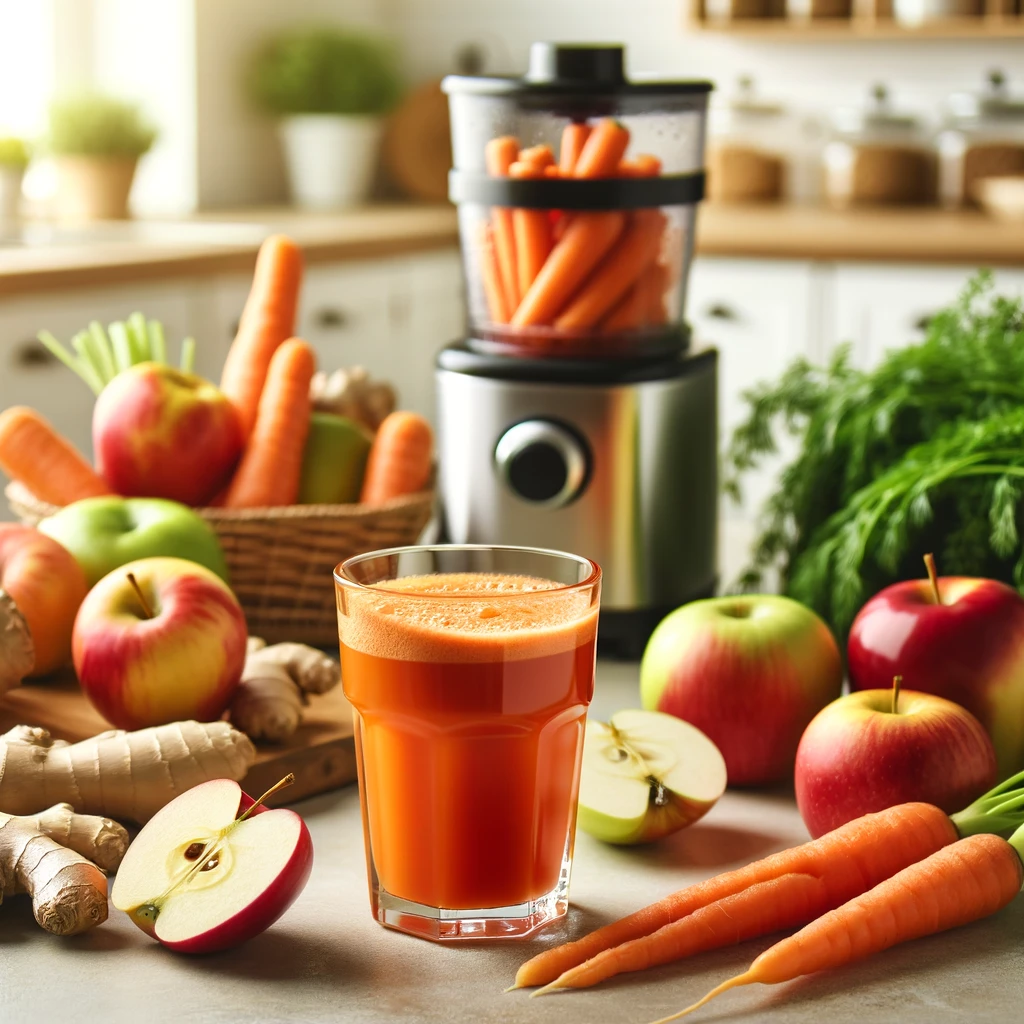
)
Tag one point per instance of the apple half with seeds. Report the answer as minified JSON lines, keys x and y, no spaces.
{"x":646,"y":774}
{"x":213,"y":868}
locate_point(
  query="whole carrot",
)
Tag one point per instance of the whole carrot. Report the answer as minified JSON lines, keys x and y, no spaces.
{"x":859,"y":854}
{"x":268,"y":319}
{"x":532,"y":228}
{"x":493,"y":288}
{"x":499,"y":155}
{"x":961,"y":883}
{"x":271,"y":465}
{"x":633,"y":254}
{"x":574,"y":137}
{"x":583,"y":245}
{"x":34,"y":454}
{"x":400,"y":458}
{"x":604,"y":148}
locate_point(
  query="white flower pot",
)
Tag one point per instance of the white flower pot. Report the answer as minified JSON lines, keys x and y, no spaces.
{"x":331,"y":158}
{"x":10,"y":196}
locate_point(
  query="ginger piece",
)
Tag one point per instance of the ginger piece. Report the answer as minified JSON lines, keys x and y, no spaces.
{"x":56,"y":857}
{"x":124,"y":775}
{"x":354,"y":394}
{"x":17,"y":651}
{"x":275,"y":682}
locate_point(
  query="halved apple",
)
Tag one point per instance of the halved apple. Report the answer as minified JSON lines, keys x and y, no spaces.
{"x":210,"y":870}
{"x":646,"y":774}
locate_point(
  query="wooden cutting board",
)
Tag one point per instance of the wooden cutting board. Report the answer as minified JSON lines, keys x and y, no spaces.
{"x":321,"y":754}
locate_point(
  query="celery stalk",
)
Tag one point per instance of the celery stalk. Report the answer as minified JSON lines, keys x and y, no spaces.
{"x":157,"y":343}
{"x":121,"y":344}
{"x":57,"y":349}
{"x":103,"y":352}
{"x":188,"y":354}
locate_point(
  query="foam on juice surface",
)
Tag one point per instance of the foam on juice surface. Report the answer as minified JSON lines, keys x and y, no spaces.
{"x":456,"y":617}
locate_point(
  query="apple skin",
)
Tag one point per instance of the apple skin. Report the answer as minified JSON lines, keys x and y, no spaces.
{"x":161,"y":433}
{"x":749,"y":671}
{"x":106,"y":533}
{"x":48,"y":587}
{"x":333,"y":461}
{"x":969,"y":649}
{"x":184,"y":663}
{"x":856,"y":757}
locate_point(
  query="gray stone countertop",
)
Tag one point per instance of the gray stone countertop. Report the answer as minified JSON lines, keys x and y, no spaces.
{"x":327,"y":960}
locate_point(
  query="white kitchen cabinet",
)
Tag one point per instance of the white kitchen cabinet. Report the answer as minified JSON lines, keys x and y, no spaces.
{"x":877,"y":307}
{"x":760,"y":315}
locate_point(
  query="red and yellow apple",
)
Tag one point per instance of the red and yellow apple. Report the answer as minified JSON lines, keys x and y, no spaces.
{"x":46,"y":587}
{"x":877,"y":748}
{"x":957,"y":637}
{"x":159,"y":640}
{"x":208,"y":871}
{"x":750,"y":672}
{"x":161,"y":433}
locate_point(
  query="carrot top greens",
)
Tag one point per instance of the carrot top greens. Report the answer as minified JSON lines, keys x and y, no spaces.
{"x":924,"y":452}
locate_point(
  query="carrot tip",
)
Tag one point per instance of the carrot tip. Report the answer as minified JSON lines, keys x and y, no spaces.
{"x":512,"y":988}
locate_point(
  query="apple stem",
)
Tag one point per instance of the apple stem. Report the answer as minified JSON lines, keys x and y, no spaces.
{"x":286,"y":781}
{"x":929,"y":564}
{"x":897,"y":682}
{"x":146,"y":608}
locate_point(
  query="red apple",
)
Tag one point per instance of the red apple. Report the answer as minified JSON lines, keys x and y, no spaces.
{"x":877,"y":748}
{"x":750,"y":672}
{"x":957,"y":637}
{"x":159,"y":640}
{"x":161,"y":433}
{"x":208,"y":872}
{"x":46,"y":586}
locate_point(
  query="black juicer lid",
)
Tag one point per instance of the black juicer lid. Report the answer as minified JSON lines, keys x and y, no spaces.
{"x":562,"y":69}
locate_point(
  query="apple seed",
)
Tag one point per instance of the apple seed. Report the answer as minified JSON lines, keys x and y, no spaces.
{"x":195,"y":851}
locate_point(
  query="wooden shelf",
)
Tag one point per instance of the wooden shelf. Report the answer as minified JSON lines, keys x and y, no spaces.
{"x":837,"y":30}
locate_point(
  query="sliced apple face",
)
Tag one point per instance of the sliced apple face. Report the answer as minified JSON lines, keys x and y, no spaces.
{"x":646,"y":774}
{"x":196,"y":879}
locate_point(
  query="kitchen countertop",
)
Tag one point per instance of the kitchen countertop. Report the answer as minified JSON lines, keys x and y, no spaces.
{"x":227,"y":241}
{"x":327,"y":960}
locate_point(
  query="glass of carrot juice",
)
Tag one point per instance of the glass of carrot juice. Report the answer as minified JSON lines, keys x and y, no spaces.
{"x":470,"y":669}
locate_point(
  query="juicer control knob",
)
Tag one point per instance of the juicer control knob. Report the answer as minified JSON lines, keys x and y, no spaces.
{"x":542,"y":462}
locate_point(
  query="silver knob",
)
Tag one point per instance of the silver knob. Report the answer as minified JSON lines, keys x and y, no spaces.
{"x":542,"y":463}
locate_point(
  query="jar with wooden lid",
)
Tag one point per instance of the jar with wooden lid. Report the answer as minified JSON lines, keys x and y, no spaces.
{"x":983,"y":137}
{"x":879,"y":156}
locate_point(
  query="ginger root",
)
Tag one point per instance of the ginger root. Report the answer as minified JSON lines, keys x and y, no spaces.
{"x":276,"y":680}
{"x":353,"y":394}
{"x":56,"y":857}
{"x":17,"y":651}
{"x":124,"y":775}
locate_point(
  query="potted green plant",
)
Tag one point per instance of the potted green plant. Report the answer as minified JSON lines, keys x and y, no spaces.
{"x":96,"y":142}
{"x":330,"y":87}
{"x":13,"y":161}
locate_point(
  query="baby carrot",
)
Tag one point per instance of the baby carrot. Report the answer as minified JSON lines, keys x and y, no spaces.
{"x":961,"y":883}
{"x":499,"y":156}
{"x":540,"y":157}
{"x":268,"y":319}
{"x":399,"y":461}
{"x":493,"y":289}
{"x":583,"y":245}
{"x":271,"y":465}
{"x":602,"y":151}
{"x":574,"y":136}
{"x":531,"y":228}
{"x":858,"y":854}
{"x":34,"y":454}
{"x":635,"y":251}
{"x":643,"y":165}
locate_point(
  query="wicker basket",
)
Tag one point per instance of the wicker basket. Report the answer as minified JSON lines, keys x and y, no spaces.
{"x":281,"y":560}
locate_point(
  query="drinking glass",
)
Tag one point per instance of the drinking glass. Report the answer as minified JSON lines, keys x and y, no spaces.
{"x":470,"y":669}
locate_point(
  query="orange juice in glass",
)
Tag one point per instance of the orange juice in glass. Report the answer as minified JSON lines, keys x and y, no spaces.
{"x":470,"y":670}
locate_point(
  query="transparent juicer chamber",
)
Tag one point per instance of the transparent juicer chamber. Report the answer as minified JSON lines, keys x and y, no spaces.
{"x":607,"y":255}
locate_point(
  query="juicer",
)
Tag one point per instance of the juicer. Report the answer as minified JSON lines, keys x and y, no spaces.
{"x":575,"y":414}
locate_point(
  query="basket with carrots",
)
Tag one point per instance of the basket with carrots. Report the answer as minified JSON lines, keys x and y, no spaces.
{"x":294,"y":469}
{"x":575,"y":281}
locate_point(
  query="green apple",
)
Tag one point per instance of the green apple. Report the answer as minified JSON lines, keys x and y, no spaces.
{"x":646,"y":774}
{"x":106,"y":533}
{"x":333,"y":461}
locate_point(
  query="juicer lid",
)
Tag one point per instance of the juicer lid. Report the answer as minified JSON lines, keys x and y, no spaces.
{"x":570,"y":69}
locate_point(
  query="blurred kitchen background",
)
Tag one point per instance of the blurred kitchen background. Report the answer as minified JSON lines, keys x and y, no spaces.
{"x":864,"y":160}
